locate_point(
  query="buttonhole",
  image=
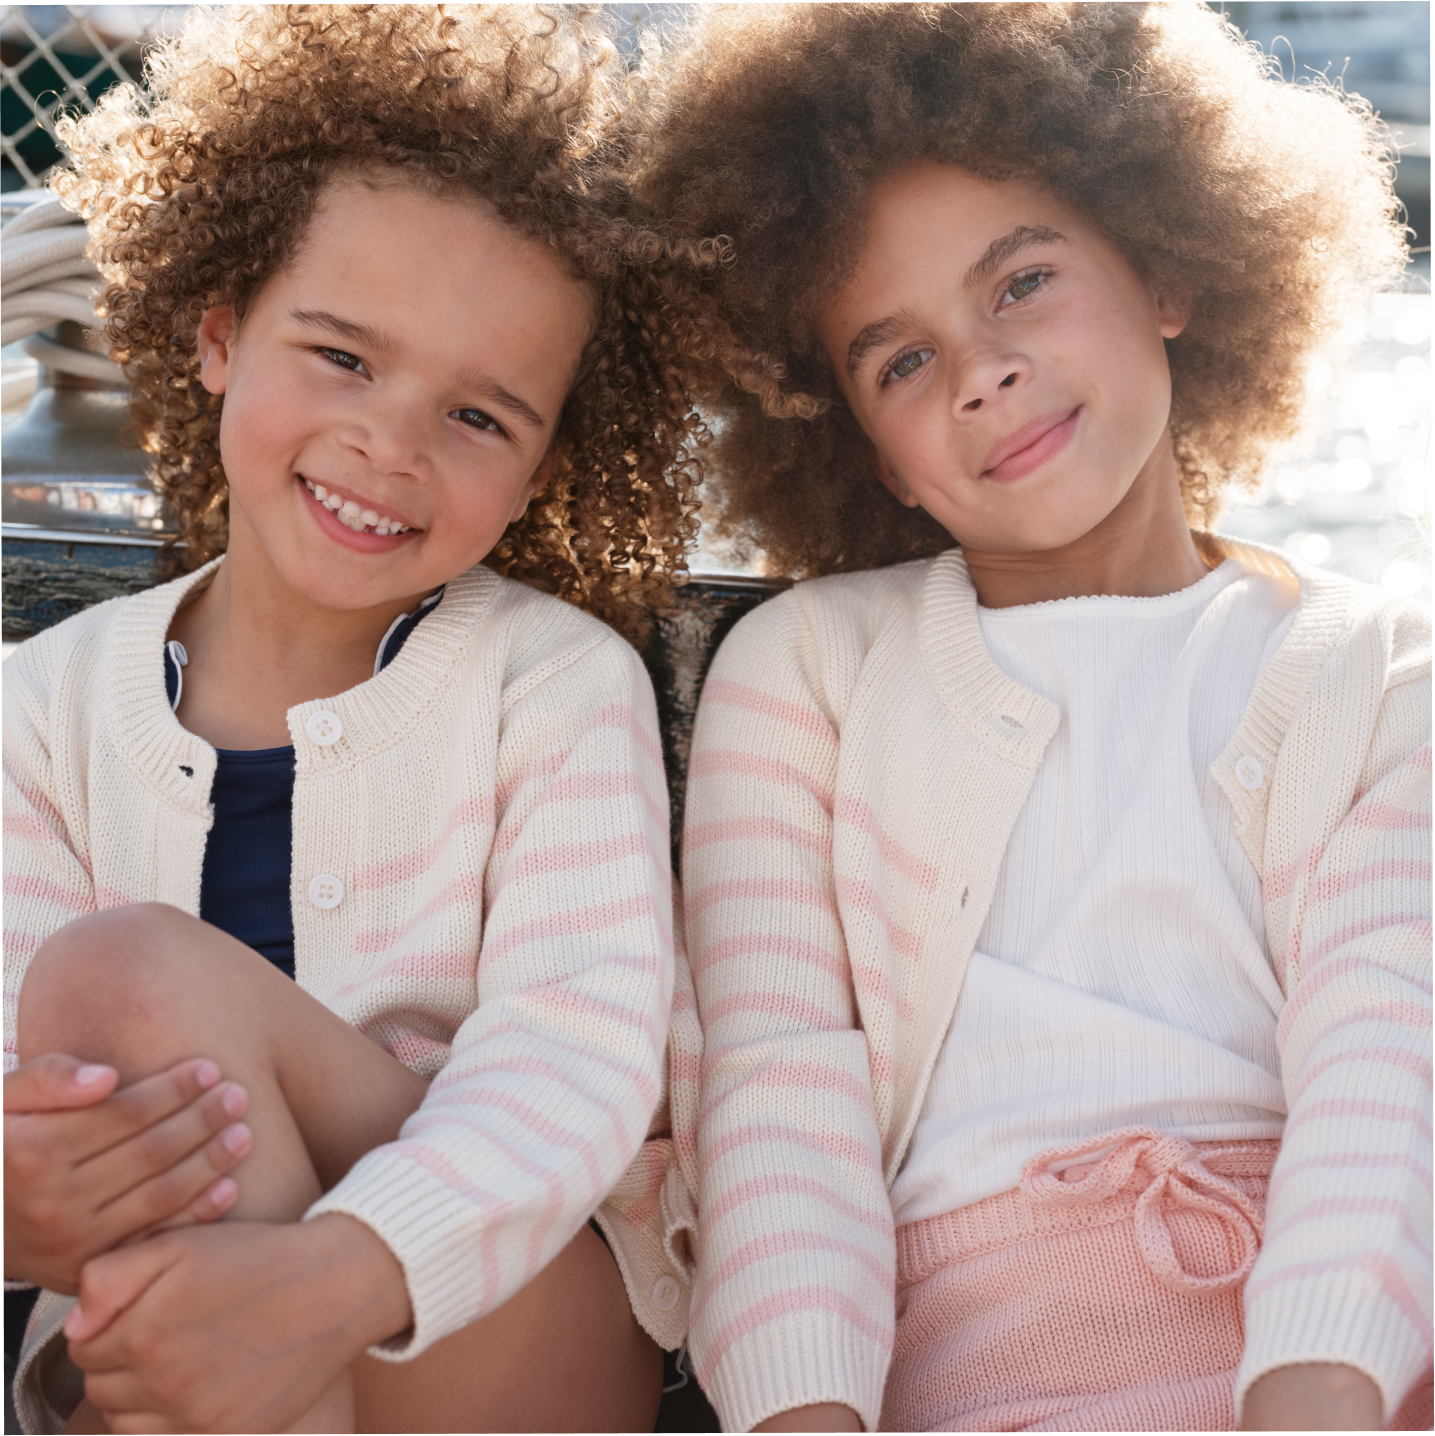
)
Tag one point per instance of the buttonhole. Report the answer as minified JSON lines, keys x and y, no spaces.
{"x":965,"y":893}
{"x":186,"y":770}
{"x":1010,"y":721}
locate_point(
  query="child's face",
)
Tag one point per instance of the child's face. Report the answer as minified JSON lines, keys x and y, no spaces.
{"x":412,"y":361}
{"x":1004,"y":358}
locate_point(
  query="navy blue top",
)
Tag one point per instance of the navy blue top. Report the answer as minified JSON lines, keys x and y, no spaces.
{"x":244,"y":883}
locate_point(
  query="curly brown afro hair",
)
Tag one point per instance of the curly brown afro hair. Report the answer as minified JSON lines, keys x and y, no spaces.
{"x":196,"y":193}
{"x":1266,"y":205}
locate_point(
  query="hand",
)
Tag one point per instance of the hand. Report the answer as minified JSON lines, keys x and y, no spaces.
{"x":828,"y":1416}
{"x":1313,"y":1398}
{"x":235,"y":1327}
{"x":87,"y":1167}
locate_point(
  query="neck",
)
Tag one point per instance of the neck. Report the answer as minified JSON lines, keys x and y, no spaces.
{"x":257,"y":648}
{"x":1141,"y":549}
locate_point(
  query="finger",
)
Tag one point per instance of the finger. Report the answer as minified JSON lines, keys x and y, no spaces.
{"x":108,"y":1285}
{"x":164,"y":1146}
{"x":120,"y":1396}
{"x":197,"y":1190}
{"x":143,"y":1104}
{"x":57,"y":1082}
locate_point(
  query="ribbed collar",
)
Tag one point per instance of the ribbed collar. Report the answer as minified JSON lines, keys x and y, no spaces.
{"x":375,"y":714}
{"x":1012,"y":720}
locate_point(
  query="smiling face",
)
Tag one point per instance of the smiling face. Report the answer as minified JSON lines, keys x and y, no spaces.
{"x":1004,"y":358}
{"x":390,"y":396}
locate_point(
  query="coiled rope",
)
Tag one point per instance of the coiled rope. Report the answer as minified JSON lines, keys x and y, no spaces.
{"x":46,"y":277}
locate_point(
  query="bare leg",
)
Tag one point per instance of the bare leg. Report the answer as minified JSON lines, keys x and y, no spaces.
{"x":144,"y":987}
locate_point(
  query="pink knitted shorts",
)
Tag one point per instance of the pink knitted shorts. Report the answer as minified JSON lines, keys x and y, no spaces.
{"x":1107,"y":1298}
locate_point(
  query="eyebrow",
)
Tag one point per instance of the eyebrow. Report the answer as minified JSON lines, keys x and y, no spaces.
{"x":873,"y":334}
{"x":1001,"y":250}
{"x":481,"y":385}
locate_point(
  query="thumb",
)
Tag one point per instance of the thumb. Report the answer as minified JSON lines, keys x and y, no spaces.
{"x":112,"y":1282}
{"x":57,"y":1081}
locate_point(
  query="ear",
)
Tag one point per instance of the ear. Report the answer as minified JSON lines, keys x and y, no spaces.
{"x":1174,"y":314}
{"x":892,"y":481}
{"x":539,"y":481}
{"x":215,"y":340}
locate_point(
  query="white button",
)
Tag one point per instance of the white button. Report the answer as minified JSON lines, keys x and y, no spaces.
{"x":324,"y":727}
{"x":665,"y":1293}
{"x":326,"y":891}
{"x":1249,"y":773}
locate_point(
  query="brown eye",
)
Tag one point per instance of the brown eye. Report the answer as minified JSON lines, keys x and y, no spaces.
{"x":1024,"y":285}
{"x":907,"y":365}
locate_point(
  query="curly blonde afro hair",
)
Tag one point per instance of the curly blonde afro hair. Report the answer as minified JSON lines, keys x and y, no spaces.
{"x":1267,"y":206}
{"x":196,"y":193}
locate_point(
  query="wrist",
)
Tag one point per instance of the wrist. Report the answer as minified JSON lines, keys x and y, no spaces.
{"x":363,"y":1277}
{"x":1317,"y":1397}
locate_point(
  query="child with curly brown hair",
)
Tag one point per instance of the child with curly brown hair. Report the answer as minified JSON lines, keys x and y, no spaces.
{"x":1056,"y":870}
{"x":343,"y":855}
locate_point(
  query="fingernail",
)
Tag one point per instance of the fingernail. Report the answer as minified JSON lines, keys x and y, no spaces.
{"x":237,"y":1139}
{"x":207,"y":1074}
{"x":92,"y":1074}
{"x":74,"y":1320}
{"x":223,"y":1192}
{"x":234,"y":1101}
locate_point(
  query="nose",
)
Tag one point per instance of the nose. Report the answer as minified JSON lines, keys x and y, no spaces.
{"x":983,"y":379}
{"x":392,"y":436}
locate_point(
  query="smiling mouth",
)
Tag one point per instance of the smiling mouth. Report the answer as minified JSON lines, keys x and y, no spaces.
{"x":354,"y":515}
{"x":1031,"y":446}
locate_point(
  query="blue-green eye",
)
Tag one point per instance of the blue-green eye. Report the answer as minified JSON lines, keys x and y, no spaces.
{"x":1023,"y":286}
{"x":343,"y":359}
{"x":907,"y":365}
{"x":476,"y":419}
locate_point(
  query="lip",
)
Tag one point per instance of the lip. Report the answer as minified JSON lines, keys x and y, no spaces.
{"x":342,"y":533}
{"x":1031,"y":446}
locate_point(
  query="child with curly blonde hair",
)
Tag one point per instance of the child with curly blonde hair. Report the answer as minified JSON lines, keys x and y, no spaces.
{"x":341,"y":859}
{"x":1056,"y":870}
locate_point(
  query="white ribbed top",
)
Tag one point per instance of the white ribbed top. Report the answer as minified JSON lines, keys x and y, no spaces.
{"x":1121,"y":977}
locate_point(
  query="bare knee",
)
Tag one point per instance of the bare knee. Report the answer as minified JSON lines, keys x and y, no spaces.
{"x":124,"y":968}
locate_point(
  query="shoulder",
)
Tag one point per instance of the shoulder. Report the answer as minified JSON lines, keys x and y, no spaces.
{"x":544,"y":644}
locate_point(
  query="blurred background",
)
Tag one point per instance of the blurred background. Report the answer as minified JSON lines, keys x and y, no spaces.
{"x":1354,"y":495}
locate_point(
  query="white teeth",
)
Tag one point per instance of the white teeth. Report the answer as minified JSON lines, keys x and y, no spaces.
{"x":352,"y":516}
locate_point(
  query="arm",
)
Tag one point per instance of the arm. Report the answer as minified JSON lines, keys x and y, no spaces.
{"x":1343,"y":1280}
{"x":547,"y":1093}
{"x":797,"y":1250}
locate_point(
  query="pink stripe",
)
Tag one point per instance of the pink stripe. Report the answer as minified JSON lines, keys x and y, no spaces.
{"x":1339,"y":1108}
{"x":862,"y":897}
{"x":539,"y":770}
{"x":769,"y":944}
{"x":795,"y":1301}
{"x":1318,"y":979}
{"x":28,"y":826}
{"x":1380,"y":1056}
{"x":38,"y":889}
{"x":576,"y":921}
{"x":781,"y":1005}
{"x":567,"y":857}
{"x":829,"y":1144}
{"x":465,"y":889}
{"x":785,"y":1243}
{"x":458,"y":1070}
{"x":857,"y":814}
{"x":788,"y":1184}
{"x":808,"y":1076}
{"x":754,"y":830}
{"x":1363,"y":927}
{"x":1334,"y":885}
{"x":24,"y":943}
{"x":1386,"y":817}
{"x":1325,"y":1207}
{"x":429,"y":965}
{"x":38,"y":800}
{"x":620,"y":715}
{"x":1399,"y":1161}
{"x":528,"y":1065}
{"x":789,"y":890}
{"x":765,"y":705}
{"x":729,"y":763}
{"x":413,"y":865}
{"x":1376,"y":1264}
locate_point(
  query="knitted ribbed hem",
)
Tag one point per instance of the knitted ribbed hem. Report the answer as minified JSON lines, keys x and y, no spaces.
{"x":1346,"y":1318}
{"x":805,"y":1359}
{"x":45,"y":1379}
{"x":431,"y":1231}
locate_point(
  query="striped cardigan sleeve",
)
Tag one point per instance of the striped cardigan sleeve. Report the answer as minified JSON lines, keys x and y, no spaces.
{"x":47,"y":880}
{"x":793,"y":1301}
{"x":547,"y":1094}
{"x":1345,"y":1272}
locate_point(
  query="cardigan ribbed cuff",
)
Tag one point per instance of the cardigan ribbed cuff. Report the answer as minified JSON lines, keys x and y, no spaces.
{"x":1345,"y":1318}
{"x":805,"y":1359}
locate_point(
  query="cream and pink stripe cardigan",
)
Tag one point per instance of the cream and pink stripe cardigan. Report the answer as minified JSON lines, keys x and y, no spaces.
{"x":497,"y":813}
{"x":858,"y":763}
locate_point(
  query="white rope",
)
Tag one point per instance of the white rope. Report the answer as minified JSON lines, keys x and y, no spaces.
{"x":47,"y":278}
